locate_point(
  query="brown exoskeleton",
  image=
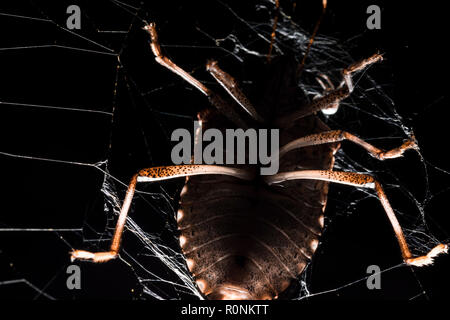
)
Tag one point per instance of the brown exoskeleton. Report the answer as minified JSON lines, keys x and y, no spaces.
{"x":246,"y":236}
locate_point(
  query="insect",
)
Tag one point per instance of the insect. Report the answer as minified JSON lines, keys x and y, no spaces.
{"x":244,"y":235}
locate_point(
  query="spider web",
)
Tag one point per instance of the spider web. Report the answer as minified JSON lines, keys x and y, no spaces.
{"x":83,"y":110}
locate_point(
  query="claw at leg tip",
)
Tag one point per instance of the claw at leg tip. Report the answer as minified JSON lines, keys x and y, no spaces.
{"x":97,"y":257}
{"x":81,"y":255}
{"x":429,"y":258}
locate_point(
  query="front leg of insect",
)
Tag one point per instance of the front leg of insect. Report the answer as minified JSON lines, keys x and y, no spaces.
{"x":332,"y":97}
{"x":327,"y":87}
{"x":215,"y":99}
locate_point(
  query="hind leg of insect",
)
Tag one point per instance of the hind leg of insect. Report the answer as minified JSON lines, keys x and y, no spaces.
{"x":331,"y":99}
{"x":152,"y":175}
{"x":339,"y":135}
{"x":215,"y":99}
{"x":364,"y":181}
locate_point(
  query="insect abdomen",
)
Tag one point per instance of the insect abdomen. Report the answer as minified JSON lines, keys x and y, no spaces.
{"x":247,"y":240}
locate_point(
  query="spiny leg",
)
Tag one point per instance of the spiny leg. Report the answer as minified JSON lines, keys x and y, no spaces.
{"x":151,"y":175}
{"x":333,"y":97}
{"x":214,"y":99}
{"x":339,"y":135}
{"x":364,"y":181}
{"x":232,"y":87}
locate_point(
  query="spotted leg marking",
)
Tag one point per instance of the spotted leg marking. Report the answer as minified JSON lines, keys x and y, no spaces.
{"x":232,"y":87}
{"x":152,"y":175}
{"x":339,"y":135}
{"x":328,"y":87}
{"x":214,"y":98}
{"x":358,"y":66}
{"x":364,"y":181}
{"x":333,"y":97}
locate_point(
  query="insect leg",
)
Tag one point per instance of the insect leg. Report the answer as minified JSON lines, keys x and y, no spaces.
{"x":357,"y":66}
{"x":214,"y":99}
{"x":151,"y":175}
{"x":331,"y":99}
{"x":311,"y":40}
{"x":232,"y":87}
{"x":329,"y":86}
{"x":328,"y":101}
{"x":326,"y":87}
{"x":363,"y":181}
{"x":339,"y":135}
{"x":274,"y":29}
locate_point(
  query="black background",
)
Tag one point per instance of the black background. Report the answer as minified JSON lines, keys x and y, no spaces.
{"x":39,"y":194}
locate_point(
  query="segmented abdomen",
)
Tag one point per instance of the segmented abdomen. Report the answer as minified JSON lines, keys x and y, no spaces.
{"x":247,"y":240}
